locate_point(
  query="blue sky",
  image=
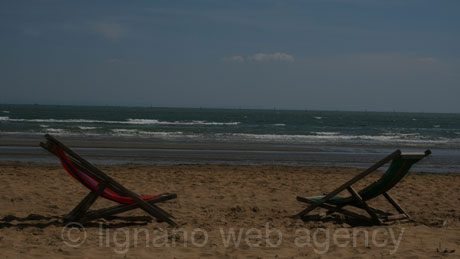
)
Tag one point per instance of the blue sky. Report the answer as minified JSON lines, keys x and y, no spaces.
{"x":380,"y":55}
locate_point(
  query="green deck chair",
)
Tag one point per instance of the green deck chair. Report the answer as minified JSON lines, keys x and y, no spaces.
{"x":399,"y":167}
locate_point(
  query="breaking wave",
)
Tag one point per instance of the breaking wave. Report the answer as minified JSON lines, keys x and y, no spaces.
{"x":128,"y":121}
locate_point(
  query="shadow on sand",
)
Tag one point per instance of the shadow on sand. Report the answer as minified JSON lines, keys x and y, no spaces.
{"x":39,"y":221}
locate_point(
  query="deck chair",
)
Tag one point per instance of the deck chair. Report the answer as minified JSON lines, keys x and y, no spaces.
{"x":399,"y":167}
{"x":103,"y":185}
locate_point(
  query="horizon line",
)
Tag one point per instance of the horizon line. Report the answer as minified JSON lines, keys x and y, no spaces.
{"x":231,"y":108}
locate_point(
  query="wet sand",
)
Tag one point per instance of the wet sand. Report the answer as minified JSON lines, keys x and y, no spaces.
{"x":110,"y":150}
{"x":213,"y":201}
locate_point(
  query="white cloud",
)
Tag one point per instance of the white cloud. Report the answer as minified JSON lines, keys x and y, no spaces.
{"x":261,"y":57}
{"x":426,"y":60}
{"x":264,"y":57}
{"x":236,"y":59}
{"x":109,"y":30}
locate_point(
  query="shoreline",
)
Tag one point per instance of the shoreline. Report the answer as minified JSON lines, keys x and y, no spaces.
{"x":108,"y":151}
{"x":332,"y":168}
{"x":205,"y":142}
{"x":438,"y":163}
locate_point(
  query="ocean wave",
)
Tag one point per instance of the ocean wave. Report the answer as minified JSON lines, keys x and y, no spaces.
{"x":335,"y":138}
{"x":87,"y":128}
{"x":134,"y":132}
{"x":326,"y":133}
{"x":195,"y":122}
{"x":124,"y":130}
{"x":279,"y":124}
{"x":280,"y":137}
{"x":128,"y":121}
{"x":6,"y":111}
{"x":57,"y":120}
{"x":54,"y":131}
{"x":311,"y":139}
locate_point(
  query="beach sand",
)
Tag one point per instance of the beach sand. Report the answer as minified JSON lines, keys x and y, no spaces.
{"x":214,"y":200}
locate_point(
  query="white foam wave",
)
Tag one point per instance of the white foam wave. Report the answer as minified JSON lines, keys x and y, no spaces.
{"x":124,"y":130}
{"x":4,"y":118}
{"x":6,"y":111}
{"x":51,"y":130}
{"x":318,"y":117}
{"x":391,"y":139}
{"x":87,"y":128}
{"x":326,"y":133}
{"x":134,"y":132}
{"x":331,"y":138}
{"x":402,"y":135}
{"x":163,"y":134}
{"x":279,"y":124}
{"x":195,"y":122}
{"x":276,"y":137}
{"x":128,"y":121}
{"x":59,"y":121}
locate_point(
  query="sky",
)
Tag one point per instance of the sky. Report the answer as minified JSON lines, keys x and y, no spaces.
{"x":375,"y":55}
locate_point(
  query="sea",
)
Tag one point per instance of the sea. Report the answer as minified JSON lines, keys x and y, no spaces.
{"x":233,"y":136}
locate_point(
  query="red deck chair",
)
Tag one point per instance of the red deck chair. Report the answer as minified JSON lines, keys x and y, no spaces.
{"x":101,"y":184}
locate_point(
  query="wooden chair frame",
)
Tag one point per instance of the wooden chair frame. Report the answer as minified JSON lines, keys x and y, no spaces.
{"x":81,"y":212}
{"x":376,"y":216}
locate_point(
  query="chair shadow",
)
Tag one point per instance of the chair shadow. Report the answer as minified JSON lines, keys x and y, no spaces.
{"x":127,"y":221}
{"x":11,"y":221}
{"x":338,"y":219}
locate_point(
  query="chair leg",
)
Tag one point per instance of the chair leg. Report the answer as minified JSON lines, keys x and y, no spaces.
{"x":101,"y":213}
{"x":395,"y":204}
{"x":334,"y":208}
{"x":84,"y":205}
{"x":369,"y":210}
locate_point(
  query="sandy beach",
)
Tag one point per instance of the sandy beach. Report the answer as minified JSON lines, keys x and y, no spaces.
{"x":235,"y":118}
{"x":223,"y":211}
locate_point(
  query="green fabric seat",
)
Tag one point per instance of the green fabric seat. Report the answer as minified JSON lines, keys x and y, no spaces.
{"x":398,"y":169}
{"x":400,"y":165}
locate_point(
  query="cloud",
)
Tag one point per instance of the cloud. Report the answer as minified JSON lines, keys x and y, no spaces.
{"x":261,"y":57}
{"x":235,"y":59}
{"x":110,"y":31}
{"x":426,"y":60}
{"x":264,"y":57}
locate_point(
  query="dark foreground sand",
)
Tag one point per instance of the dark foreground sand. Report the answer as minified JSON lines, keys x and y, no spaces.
{"x":213,"y":201}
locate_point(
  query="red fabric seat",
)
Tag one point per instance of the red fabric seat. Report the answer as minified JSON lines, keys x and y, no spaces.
{"x":93,"y":184}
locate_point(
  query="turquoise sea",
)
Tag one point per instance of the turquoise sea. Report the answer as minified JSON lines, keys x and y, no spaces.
{"x":271,"y":126}
{"x":241,"y":136}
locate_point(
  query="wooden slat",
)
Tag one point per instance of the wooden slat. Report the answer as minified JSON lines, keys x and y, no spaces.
{"x":84,"y":205}
{"x":101,"y":213}
{"x":395,"y":204}
{"x":334,"y":208}
{"x":415,"y":155}
{"x":360,"y":200}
